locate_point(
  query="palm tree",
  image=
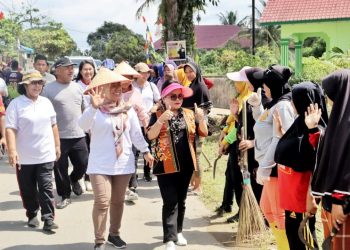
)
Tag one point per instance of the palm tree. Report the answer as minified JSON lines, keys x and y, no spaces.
{"x":265,"y":35}
{"x":230,"y":18}
{"x":177,"y":16}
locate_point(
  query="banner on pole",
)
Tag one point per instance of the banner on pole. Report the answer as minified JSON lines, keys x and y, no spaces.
{"x":176,"y":50}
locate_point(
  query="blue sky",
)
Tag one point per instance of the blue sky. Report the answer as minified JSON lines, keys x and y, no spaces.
{"x":80,"y":17}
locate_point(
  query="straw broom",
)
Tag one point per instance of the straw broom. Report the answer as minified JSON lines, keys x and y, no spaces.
{"x":252,"y":229}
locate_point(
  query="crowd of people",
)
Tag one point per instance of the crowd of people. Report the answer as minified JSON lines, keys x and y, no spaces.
{"x":297,"y":144}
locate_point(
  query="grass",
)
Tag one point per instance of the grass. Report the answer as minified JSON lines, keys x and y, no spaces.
{"x":213,"y":188}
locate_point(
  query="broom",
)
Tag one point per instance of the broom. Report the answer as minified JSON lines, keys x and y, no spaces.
{"x":252,"y":229}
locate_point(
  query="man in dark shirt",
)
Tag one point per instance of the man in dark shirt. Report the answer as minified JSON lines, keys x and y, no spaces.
{"x":14,"y":76}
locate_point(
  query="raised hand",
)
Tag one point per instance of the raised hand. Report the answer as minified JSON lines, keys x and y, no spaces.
{"x":166,"y":116}
{"x":312,"y":116}
{"x":97,"y":97}
{"x":198,"y":113}
{"x":234,"y":106}
{"x":255,"y":98}
{"x":278,"y":124}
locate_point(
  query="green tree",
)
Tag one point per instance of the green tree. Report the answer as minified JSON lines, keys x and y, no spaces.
{"x":229,"y":18}
{"x":98,"y":39}
{"x":126,"y":45}
{"x":116,"y":41}
{"x":9,"y":33}
{"x":51,"y":40}
{"x":177,"y":16}
{"x":28,"y":14}
{"x":265,"y":35}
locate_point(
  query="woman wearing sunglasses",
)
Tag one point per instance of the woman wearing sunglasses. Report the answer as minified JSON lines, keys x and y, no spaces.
{"x":172,"y":130}
{"x":33,"y":147}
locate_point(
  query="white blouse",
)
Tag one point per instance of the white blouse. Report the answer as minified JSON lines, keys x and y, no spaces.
{"x":102,"y":158}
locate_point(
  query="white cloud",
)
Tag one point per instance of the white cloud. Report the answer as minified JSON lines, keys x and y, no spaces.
{"x":80,"y":17}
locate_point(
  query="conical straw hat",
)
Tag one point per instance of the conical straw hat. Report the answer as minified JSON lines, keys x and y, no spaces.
{"x":126,"y":70}
{"x":105,"y":76}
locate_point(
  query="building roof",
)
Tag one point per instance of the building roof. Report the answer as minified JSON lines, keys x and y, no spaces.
{"x":214,"y":36}
{"x":293,"y":11}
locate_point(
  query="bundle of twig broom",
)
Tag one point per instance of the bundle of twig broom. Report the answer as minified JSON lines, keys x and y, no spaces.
{"x":252,"y":229}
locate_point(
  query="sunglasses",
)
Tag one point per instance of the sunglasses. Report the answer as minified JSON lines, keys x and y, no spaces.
{"x":37,"y":82}
{"x":174,"y":97}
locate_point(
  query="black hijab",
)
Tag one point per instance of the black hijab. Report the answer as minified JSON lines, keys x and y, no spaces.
{"x":200,"y":90}
{"x":276,"y":78}
{"x":257,"y":83}
{"x":293,"y":149}
{"x":332,"y":173}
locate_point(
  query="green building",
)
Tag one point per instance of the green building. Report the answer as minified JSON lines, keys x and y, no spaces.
{"x":300,"y":19}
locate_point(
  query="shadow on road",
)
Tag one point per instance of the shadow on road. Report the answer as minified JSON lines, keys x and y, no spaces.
{"x":9,"y":205}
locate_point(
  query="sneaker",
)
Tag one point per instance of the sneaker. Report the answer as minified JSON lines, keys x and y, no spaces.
{"x":116,"y":241}
{"x":82,"y":185}
{"x":49,"y":225}
{"x":130,"y":195}
{"x":33,"y":222}
{"x":88,"y":186}
{"x":170,"y":245}
{"x":63,"y":203}
{"x":99,"y":246}
{"x":77,"y":189}
{"x":234,"y":218}
{"x":147,"y":177}
{"x":181,"y":240}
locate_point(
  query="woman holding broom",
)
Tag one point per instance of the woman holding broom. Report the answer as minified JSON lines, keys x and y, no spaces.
{"x":276,"y":88}
{"x":173,"y":130}
{"x":331,"y":178}
{"x":244,"y":89}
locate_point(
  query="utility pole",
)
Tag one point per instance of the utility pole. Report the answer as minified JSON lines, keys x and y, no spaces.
{"x":253,"y":27}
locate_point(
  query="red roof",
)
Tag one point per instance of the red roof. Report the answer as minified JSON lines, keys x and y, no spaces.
{"x":213,"y":36}
{"x":281,"y":11}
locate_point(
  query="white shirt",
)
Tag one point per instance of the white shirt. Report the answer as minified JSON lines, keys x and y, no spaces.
{"x":3,"y":88}
{"x":102,"y":157}
{"x":150,"y":94}
{"x":33,"y":122}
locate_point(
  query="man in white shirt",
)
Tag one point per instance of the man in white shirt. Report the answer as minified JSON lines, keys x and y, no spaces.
{"x":150,"y":95}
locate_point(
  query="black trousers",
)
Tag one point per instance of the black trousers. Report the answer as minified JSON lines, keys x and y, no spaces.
{"x":133,"y":179}
{"x":233,"y":180}
{"x":77,"y":151}
{"x":173,"y":188}
{"x":293,"y":220}
{"x":35,"y":186}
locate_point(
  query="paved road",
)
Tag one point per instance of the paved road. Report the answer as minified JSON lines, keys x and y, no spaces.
{"x":141,"y":226}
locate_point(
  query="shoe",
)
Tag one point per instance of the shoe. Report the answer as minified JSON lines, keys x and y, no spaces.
{"x":181,"y":240}
{"x":116,"y":241}
{"x":76,"y":187}
{"x":88,"y":186}
{"x":63,"y":203}
{"x":221,"y":210}
{"x":130,"y":195}
{"x":170,"y":245}
{"x":147,"y":177}
{"x":99,"y":246}
{"x":33,"y":222}
{"x":49,"y":225}
{"x":82,"y":185}
{"x":234,"y":218}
